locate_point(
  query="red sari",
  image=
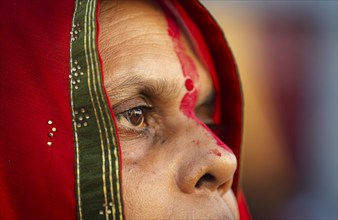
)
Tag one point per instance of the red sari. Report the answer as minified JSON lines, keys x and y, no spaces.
{"x":59,"y":151}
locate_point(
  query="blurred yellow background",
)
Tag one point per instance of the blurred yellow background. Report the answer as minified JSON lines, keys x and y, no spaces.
{"x":286,"y":52}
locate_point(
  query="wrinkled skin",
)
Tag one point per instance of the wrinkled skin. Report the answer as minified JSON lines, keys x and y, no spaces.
{"x":172,"y":166}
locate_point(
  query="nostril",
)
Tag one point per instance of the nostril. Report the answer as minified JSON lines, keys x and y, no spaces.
{"x":206,"y":179}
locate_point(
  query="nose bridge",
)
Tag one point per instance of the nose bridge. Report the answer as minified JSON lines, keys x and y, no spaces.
{"x":208,"y":164}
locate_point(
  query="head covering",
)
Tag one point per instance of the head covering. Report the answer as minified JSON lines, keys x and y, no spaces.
{"x":60,"y":156}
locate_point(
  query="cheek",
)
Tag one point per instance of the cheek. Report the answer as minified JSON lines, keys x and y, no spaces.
{"x":134,"y":150}
{"x":147,"y":184}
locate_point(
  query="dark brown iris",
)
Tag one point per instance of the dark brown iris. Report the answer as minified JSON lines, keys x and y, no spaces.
{"x":135,"y":116}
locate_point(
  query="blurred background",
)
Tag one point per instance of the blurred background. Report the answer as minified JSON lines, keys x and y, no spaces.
{"x":286,"y":52}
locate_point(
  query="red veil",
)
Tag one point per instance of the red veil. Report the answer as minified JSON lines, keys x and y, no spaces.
{"x":48,"y":168}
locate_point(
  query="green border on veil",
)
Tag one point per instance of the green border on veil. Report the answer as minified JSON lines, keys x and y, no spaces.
{"x":97,"y":165}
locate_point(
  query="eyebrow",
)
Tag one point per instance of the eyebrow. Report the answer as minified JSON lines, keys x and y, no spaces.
{"x":136,"y":84}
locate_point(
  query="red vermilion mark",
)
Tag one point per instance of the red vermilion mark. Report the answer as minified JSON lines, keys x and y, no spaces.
{"x":188,"y":103}
{"x":190,"y":73}
{"x":189,"y":85}
{"x":216,"y":152}
{"x":187,"y":64}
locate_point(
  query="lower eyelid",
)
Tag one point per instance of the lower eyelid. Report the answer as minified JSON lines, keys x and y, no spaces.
{"x":125,"y":131}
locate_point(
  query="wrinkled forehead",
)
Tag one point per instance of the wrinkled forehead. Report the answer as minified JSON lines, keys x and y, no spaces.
{"x":136,"y":26}
{"x":132,"y":35}
{"x":132,"y":17}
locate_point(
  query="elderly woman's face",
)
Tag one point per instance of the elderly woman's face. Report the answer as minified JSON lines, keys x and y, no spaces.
{"x":172,"y":165}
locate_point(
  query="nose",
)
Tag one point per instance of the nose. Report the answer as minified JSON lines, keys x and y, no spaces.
{"x":207,"y":166}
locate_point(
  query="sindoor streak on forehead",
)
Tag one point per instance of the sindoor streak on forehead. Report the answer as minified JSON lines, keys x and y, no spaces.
{"x":189,"y":69}
{"x":191,"y":75}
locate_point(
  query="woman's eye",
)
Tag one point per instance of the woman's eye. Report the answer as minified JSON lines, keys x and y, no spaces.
{"x":135,"y":116}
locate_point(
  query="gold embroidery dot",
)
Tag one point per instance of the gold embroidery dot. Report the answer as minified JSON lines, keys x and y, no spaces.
{"x":110,"y":204}
{"x":50,"y":135}
{"x":101,"y":212}
{"x":54,"y":129}
{"x":78,"y":125}
{"x":109,"y":211}
{"x":76,"y":62}
{"x":73,"y":82}
{"x":87,"y":116}
{"x":81,"y":73}
{"x":83,"y":110}
{"x":80,"y":118}
{"x":76,"y":74}
{"x":70,"y":76}
{"x":85,"y":124}
{"x":50,"y":122}
{"x":49,"y":143}
{"x":76,"y":87}
{"x":78,"y":81}
{"x":76,"y":112}
{"x":78,"y":67}
{"x":73,"y":69}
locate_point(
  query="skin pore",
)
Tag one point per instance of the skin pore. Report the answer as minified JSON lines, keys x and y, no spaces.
{"x":172,"y":165}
